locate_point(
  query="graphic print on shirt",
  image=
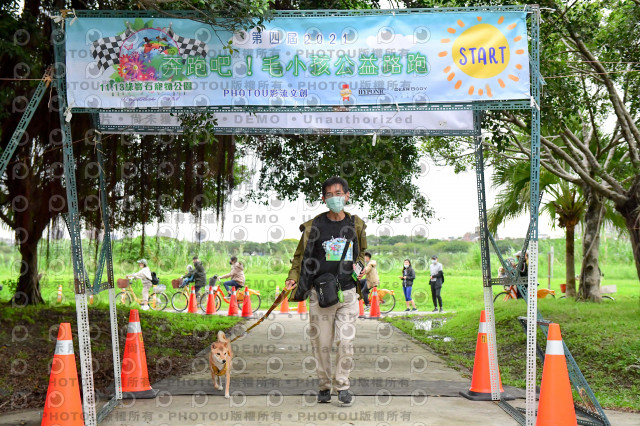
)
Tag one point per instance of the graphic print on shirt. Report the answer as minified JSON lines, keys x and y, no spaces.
{"x":333,"y":249}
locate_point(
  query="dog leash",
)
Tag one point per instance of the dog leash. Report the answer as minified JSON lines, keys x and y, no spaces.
{"x":278,"y":301}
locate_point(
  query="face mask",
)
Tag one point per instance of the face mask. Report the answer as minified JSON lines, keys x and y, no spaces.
{"x":406,"y":265}
{"x":434,"y":261}
{"x":336,"y":204}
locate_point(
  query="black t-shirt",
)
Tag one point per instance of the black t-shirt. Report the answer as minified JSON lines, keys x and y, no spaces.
{"x":328,"y":239}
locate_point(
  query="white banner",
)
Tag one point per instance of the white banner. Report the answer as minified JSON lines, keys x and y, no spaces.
{"x":411,"y":122}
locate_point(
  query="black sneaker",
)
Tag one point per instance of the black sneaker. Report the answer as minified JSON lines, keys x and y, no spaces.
{"x":440,"y":309}
{"x":435,"y":310}
{"x":415,"y":309}
{"x":324,"y":396}
{"x":407,"y":310}
{"x":345,"y":397}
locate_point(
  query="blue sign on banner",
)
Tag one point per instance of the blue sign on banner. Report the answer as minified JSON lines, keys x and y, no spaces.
{"x":419,"y":58}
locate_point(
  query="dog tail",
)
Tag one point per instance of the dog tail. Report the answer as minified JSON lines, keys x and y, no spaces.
{"x":222,"y":337}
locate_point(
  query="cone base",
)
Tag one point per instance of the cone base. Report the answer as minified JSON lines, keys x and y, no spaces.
{"x":481,"y":396}
{"x":146,"y":394}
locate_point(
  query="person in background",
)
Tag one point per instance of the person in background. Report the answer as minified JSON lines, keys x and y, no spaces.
{"x":371,"y":280}
{"x":523,"y":271}
{"x":199,"y":275}
{"x":237,"y":275}
{"x":435,"y":281}
{"x":407,"y":277}
{"x":144,"y":275}
{"x":502,"y":273}
{"x":188,"y":277}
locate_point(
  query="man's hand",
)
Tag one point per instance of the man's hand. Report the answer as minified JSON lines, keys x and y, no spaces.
{"x":289,"y":285}
{"x":361,"y":275}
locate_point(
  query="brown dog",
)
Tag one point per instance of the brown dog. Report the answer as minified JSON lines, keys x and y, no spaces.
{"x":220,"y":362}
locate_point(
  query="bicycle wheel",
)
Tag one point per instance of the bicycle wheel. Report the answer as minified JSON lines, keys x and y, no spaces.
{"x":255,"y":302}
{"x":608,"y":297}
{"x":179,"y":301}
{"x":161,"y":301}
{"x":502,"y":293}
{"x":204,"y":300}
{"x":123,"y":299}
{"x":387,"y":303}
{"x":218,"y":302}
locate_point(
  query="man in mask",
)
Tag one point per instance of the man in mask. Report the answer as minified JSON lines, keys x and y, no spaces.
{"x":319,"y":254}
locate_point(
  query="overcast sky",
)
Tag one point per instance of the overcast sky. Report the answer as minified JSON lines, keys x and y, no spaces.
{"x":453,"y":196}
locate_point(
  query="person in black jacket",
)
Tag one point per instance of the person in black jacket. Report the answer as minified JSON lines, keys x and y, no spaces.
{"x":199,"y":275}
{"x":407,"y":277}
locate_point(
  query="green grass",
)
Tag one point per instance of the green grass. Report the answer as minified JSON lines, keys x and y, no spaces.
{"x":603,"y":338}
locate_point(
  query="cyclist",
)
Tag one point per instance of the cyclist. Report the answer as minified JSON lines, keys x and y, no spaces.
{"x":199,"y":275}
{"x":237,"y":275}
{"x":144,"y":275}
{"x":371,"y":280}
{"x":188,"y":277}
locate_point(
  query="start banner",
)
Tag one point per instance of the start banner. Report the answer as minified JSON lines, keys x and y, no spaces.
{"x":382,"y":59}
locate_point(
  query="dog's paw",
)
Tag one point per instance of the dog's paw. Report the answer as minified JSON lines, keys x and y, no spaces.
{"x":218,"y":387}
{"x":226,"y":395}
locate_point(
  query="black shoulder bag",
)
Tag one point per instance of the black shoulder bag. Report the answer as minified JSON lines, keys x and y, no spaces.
{"x":328,"y":285}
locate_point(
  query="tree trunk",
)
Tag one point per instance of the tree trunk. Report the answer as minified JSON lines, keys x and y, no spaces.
{"x":28,"y":288}
{"x":590,"y":272}
{"x":142,"y":243}
{"x":570,"y":260}
{"x":631,"y":213}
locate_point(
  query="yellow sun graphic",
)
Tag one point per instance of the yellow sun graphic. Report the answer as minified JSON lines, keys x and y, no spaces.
{"x":481,"y":51}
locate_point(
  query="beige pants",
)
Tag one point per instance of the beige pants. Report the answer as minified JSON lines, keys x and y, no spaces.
{"x":335,"y":322}
{"x":145,"y":293}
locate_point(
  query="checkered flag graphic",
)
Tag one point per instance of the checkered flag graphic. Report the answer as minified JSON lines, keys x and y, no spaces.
{"x":106,"y":51}
{"x":189,"y":46}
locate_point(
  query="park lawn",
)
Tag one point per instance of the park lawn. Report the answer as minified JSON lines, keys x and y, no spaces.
{"x":603,"y":338}
{"x":461,"y":290}
{"x":171,"y":342}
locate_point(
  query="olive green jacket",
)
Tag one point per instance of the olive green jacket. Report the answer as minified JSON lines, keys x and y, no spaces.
{"x":301,"y":292}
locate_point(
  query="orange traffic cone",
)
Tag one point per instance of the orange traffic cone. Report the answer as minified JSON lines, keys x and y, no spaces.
{"x":556,"y":399}
{"x":246,"y":304}
{"x":193,"y":303}
{"x":284,"y":306}
{"x":63,"y":404}
{"x":480,"y":389}
{"x":302,"y":307}
{"x":374,"y":312}
{"x":59,"y":299}
{"x":361,"y":313}
{"x":233,"y":304}
{"x":135,"y":377}
{"x":211,"y":303}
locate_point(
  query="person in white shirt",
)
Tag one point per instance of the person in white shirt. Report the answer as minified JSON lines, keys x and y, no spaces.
{"x":144,"y":275}
{"x":435,"y":281}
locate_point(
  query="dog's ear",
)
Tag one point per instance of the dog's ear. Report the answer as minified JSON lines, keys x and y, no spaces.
{"x":221,"y":336}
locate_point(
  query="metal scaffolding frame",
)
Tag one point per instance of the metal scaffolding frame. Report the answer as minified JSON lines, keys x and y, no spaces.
{"x":82,"y":284}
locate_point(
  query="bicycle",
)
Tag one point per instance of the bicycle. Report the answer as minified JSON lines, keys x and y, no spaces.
{"x":180,"y":299}
{"x":219,"y":295}
{"x":158,"y":300}
{"x":386,"y":299}
{"x":511,"y":292}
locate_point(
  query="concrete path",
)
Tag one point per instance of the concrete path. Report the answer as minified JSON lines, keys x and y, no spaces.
{"x":395,"y":381}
